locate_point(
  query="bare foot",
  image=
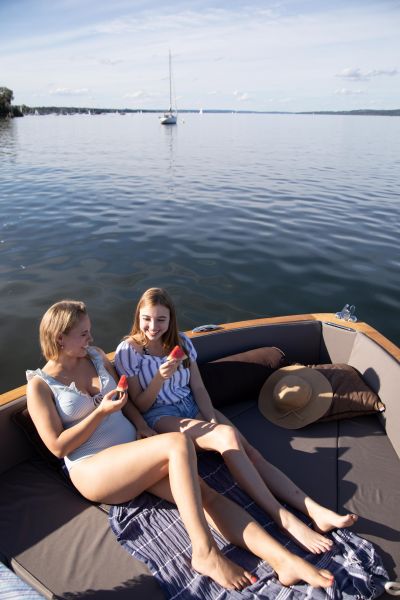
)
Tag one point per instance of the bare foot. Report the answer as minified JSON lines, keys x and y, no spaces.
{"x":325,"y":520}
{"x":293,"y":569}
{"x":222,"y":570}
{"x":306,"y":537}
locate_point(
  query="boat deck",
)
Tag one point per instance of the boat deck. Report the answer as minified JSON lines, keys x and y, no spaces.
{"x":63,"y":546}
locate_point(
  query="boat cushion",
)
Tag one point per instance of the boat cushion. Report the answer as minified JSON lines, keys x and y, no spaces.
{"x":23,"y":419}
{"x":308,"y":455}
{"x":230,"y":379}
{"x":269,"y":356}
{"x":60,"y":543}
{"x":229,"y":382}
{"x":14,"y":446}
{"x":369,"y":485}
{"x":352,"y":397}
{"x":346,"y":465}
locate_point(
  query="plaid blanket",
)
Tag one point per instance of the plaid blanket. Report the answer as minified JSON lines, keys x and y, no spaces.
{"x":151,"y":530}
{"x":13,"y":588}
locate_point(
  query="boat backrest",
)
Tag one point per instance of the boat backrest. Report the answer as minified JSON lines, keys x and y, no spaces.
{"x":383,"y":378}
{"x":336,"y":344}
{"x":301,"y":341}
{"x":14,"y":445}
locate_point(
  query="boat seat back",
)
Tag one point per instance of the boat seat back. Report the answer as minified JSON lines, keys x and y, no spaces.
{"x":300,"y":341}
{"x":383,"y":378}
{"x":14,"y":445}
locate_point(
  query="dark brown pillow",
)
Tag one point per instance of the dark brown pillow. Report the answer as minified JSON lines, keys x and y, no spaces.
{"x":352,"y":397}
{"x":229,"y":382}
{"x":240,"y":376}
{"x":23,"y":419}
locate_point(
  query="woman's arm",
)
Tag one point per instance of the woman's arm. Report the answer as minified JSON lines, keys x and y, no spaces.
{"x":130,"y":410}
{"x":132,"y":413}
{"x":144,"y":399}
{"x":200,"y":394}
{"x":44,"y":414}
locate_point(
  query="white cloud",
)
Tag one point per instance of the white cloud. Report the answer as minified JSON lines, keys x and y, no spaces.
{"x":347,"y":92}
{"x":378,"y":72}
{"x":138,"y":94}
{"x":63,"y":91}
{"x":110,"y":61}
{"x":356,"y":74}
{"x":242,"y":96}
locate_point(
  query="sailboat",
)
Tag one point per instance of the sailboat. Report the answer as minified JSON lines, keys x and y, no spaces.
{"x":170,"y":116}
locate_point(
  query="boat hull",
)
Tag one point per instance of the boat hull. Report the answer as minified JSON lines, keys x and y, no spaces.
{"x":168,"y":119}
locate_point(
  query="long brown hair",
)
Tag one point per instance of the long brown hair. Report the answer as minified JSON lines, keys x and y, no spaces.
{"x":61,"y":317}
{"x":170,"y":339}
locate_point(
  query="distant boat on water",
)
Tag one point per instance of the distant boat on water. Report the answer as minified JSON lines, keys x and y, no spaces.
{"x":170,"y":116}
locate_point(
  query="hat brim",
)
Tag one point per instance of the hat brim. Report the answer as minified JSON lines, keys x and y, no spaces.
{"x":318,"y":405}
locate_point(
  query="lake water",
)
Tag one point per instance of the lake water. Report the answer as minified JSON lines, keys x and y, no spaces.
{"x":238,"y":216}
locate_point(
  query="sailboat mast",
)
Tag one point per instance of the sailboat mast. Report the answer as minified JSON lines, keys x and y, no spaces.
{"x":169,"y":117}
{"x":170,"y":83}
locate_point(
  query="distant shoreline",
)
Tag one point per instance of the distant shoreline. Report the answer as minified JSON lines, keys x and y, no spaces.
{"x":65,"y":110}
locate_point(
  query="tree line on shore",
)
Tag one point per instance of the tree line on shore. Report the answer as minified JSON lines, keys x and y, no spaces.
{"x":7,"y":110}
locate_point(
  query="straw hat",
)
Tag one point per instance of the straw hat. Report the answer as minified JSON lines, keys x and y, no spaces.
{"x":295,"y":396}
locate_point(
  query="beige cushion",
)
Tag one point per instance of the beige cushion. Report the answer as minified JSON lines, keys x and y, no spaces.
{"x":268,"y":356}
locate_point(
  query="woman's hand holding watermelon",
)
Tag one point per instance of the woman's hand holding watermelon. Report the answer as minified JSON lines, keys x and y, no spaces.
{"x":168,"y":368}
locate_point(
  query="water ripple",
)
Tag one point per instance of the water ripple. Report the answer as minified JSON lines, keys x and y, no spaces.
{"x":239,"y":216}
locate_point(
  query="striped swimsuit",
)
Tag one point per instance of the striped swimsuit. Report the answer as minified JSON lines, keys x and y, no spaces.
{"x":73,"y":406}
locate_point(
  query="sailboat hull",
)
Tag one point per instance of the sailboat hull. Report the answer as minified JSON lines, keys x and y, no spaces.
{"x":168,"y":119}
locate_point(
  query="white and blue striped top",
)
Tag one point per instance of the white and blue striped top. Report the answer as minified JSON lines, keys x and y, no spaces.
{"x":74,"y":405}
{"x":133,"y":364}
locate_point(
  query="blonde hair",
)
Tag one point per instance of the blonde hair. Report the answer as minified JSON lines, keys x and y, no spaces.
{"x":60,"y":318}
{"x":170,"y":339}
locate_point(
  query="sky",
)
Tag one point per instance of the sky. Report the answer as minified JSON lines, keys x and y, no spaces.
{"x":263,"y":55}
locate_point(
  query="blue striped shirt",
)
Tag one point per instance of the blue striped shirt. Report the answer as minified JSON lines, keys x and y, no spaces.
{"x":133,"y":364}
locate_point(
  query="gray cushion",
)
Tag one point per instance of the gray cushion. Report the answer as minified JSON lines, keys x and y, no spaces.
{"x":61,"y":544}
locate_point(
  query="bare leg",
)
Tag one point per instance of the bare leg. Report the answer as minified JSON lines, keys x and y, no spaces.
{"x":121,"y":472}
{"x":238,"y":527}
{"x":226,"y":440}
{"x":284,"y":488}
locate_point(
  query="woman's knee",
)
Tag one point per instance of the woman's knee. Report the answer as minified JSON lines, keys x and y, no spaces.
{"x":179,"y":442}
{"x":227,"y":437}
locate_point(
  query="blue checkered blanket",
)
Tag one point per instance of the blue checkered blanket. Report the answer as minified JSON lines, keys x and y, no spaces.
{"x":13,"y":588}
{"x":151,"y":530}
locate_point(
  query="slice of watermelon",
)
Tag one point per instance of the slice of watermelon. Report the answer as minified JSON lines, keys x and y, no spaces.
{"x":176,"y":353}
{"x":122,"y":384}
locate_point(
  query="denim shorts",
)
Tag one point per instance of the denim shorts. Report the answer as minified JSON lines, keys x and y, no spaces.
{"x":186,"y":408}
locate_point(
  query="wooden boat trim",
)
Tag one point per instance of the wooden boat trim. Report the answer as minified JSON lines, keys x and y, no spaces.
{"x":361,"y":327}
